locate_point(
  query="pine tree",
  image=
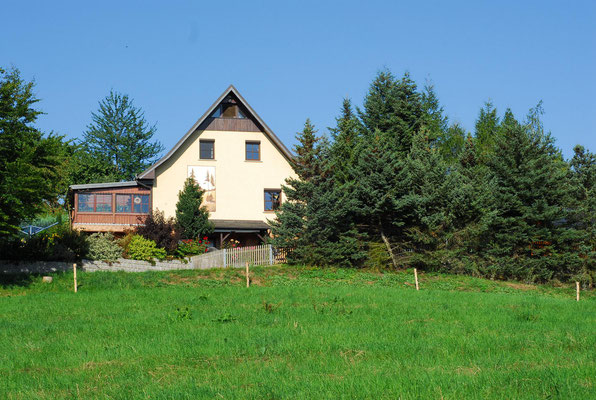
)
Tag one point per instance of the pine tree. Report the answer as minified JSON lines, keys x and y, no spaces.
{"x":192,"y":219}
{"x":120,"y":139}
{"x":30,"y":162}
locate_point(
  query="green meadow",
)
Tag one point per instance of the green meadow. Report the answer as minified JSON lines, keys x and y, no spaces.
{"x":295,"y":333}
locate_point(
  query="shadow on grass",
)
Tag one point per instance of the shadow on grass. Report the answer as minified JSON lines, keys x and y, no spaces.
{"x":22,"y":279}
{"x":25,"y":279}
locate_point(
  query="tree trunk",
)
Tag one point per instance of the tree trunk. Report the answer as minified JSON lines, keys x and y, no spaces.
{"x":389,"y":250}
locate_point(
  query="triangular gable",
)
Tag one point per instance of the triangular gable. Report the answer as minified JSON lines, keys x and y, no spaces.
{"x":150,"y":172}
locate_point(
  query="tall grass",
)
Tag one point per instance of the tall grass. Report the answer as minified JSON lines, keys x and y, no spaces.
{"x":295,"y":333}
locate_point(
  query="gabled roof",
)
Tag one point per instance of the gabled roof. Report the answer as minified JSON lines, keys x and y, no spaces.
{"x":149,"y":173}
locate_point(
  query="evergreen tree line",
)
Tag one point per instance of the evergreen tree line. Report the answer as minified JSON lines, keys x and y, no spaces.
{"x":396,"y":185}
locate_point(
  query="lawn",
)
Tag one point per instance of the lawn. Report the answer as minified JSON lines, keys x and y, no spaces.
{"x":295,"y":333}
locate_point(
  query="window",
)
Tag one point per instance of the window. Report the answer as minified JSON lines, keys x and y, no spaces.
{"x":86,"y":202}
{"x":132,"y":203}
{"x":228,"y":109}
{"x":95,"y":202}
{"x":123,"y":203}
{"x":103,"y":203}
{"x":207,"y":149}
{"x":272,"y":199}
{"x":253,"y":151}
{"x":140,"y":203}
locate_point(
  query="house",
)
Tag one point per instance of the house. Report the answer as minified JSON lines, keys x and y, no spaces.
{"x":231,"y":152}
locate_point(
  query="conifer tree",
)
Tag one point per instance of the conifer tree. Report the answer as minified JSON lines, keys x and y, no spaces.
{"x":527,"y":234}
{"x":192,"y":219}
{"x":486,"y":130}
{"x":288,"y":228}
{"x":394,"y":107}
{"x":345,"y":135}
{"x":433,"y":118}
{"x":583,"y":179}
{"x":121,"y":138}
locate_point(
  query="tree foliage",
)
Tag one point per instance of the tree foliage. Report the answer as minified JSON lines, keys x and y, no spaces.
{"x":118,"y":144}
{"x":30,"y":161}
{"x":399,"y":183}
{"x":192,"y":219}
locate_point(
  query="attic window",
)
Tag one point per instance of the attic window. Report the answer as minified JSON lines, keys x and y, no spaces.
{"x":228,"y":110}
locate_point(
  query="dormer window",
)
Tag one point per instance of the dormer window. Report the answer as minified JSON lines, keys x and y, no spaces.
{"x":228,"y":109}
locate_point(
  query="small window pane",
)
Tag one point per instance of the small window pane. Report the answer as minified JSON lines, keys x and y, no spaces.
{"x":253,"y":151}
{"x":123,"y":203}
{"x":86,"y":202}
{"x":217,"y":112}
{"x":229,"y":110}
{"x":103,"y":203}
{"x":272,"y":200}
{"x":207,"y":149}
{"x":240,"y":113}
{"x":141,"y":203}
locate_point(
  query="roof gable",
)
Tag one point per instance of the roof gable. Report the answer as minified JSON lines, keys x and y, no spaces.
{"x":203,"y":122}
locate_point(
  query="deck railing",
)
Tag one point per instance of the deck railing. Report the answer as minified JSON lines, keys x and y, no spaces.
{"x":238,"y":257}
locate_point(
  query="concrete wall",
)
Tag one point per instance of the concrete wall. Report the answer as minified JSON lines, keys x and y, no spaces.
{"x":239,"y":183}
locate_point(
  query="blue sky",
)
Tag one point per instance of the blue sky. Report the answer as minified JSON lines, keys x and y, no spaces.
{"x":293,"y":60}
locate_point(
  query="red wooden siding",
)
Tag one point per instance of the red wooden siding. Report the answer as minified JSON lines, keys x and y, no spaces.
{"x":108,"y":221}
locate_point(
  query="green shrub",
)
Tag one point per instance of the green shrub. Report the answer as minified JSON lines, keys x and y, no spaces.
{"x":140,"y":248}
{"x":102,"y":246}
{"x":191,"y":247}
{"x":58,"y":243}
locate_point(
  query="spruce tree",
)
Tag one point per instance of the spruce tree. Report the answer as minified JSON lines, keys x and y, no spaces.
{"x":120,"y":139}
{"x":583,"y":179}
{"x":345,"y":136}
{"x":486,"y":130}
{"x":192,"y":219}
{"x":394,"y":107}
{"x":433,"y":118}
{"x":288,"y":227}
{"x":527,"y":236}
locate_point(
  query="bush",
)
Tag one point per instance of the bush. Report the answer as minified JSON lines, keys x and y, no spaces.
{"x":59,"y":243}
{"x":140,"y":248}
{"x":191,"y":247}
{"x":102,"y":246}
{"x":161,"y":230}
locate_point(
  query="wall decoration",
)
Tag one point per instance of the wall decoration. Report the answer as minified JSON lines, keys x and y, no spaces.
{"x":205,"y":177}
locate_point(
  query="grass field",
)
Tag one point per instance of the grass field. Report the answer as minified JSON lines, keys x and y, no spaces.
{"x":296,"y":333}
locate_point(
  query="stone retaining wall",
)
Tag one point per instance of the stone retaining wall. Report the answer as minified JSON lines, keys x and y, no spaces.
{"x":44,"y":267}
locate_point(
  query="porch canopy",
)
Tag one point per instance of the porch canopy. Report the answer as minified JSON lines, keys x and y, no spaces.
{"x":226,"y":227}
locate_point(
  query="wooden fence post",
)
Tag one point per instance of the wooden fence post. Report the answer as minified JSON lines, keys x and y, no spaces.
{"x":576,"y":290}
{"x":270,"y":255}
{"x":247,"y":278}
{"x":416,"y":278}
{"x":74,"y":270}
